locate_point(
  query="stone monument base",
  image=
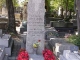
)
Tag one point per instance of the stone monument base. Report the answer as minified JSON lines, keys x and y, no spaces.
{"x":36,"y":57}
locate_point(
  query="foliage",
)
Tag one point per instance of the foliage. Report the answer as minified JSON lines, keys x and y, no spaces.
{"x":15,"y":3}
{"x":3,"y":2}
{"x":70,"y":4}
{"x":75,"y":39}
{"x":47,"y":3}
{"x":55,"y":4}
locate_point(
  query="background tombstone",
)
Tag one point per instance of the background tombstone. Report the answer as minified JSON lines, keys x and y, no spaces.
{"x":25,"y":12}
{"x":4,"y":11}
{"x":35,"y":25}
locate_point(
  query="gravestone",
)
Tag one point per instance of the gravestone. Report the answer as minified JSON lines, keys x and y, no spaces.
{"x":35,"y":25}
{"x":2,"y":52}
{"x":57,"y":24}
{"x":53,"y":41}
{"x":60,"y":47}
{"x":23,"y":28}
{"x":68,"y":55}
{"x":4,"y":11}
{"x":74,"y":21}
{"x":7,"y":42}
{"x":50,"y":32}
{"x":25,"y":11}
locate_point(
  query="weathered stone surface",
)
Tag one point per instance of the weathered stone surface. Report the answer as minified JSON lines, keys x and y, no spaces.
{"x":36,"y":57}
{"x":68,"y":55}
{"x":50,"y":33}
{"x":8,"y":50}
{"x":58,"y":40}
{"x":35,"y":25}
{"x":2,"y":52}
{"x":23,"y":28}
{"x":53,"y":41}
{"x":57,"y":24}
{"x":61,"y":57}
{"x":5,"y":40}
{"x":59,"y":48}
{"x":78,"y":56}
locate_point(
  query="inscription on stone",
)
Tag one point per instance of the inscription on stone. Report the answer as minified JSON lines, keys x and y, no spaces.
{"x":35,"y":25}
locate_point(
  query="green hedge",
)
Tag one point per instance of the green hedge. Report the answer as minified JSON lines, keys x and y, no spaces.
{"x":74,"y":39}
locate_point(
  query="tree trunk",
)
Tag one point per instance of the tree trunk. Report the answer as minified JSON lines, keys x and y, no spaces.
{"x":47,"y":2}
{"x":66,"y":7}
{"x":11,"y":17}
{"x":70,"y":16}
{"x":77,"y":3}
{"x":62,"y":13}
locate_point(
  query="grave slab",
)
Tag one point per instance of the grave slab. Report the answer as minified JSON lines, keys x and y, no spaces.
{"x":62,"y":57}
{"x":2,"y":52}
{"x":59,"y":48}
{"x":36,"y":57}
{"x":53,"y":41}
{"x":77,"y":56}
{"x":5,"y":40}
{"x":8,"y":50}
{"x":70,"y":55}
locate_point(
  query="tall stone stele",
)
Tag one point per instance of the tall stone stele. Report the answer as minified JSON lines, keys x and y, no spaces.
{"x":35,"y":25}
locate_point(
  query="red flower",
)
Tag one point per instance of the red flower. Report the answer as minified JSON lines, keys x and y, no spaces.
{"x":23,"y":55}
{"x":48,"y":55}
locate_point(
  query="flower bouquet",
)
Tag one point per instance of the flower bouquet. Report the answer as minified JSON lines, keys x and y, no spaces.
{"x":48,"y":55}
{"x":35,"y":46}
{"x":23,"y":55}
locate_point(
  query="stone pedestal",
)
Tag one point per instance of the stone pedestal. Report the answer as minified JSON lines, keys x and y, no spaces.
{"x":35,"y":25}
{"x":36,"y":57}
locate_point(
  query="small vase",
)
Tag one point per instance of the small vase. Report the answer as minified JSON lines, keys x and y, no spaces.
{"x":35,"y":51}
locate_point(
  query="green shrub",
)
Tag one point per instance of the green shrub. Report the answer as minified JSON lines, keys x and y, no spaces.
{"x":74,"y":39}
